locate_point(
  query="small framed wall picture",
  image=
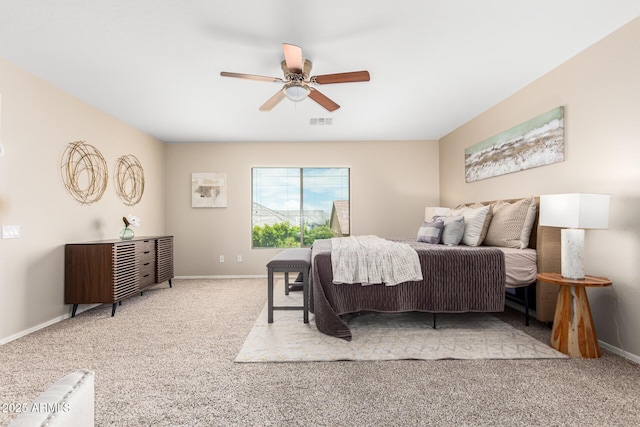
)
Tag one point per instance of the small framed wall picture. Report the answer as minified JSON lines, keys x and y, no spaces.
{"x":209,"y":190}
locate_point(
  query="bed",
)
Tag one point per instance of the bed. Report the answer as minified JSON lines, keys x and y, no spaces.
{"x":460,"y":278}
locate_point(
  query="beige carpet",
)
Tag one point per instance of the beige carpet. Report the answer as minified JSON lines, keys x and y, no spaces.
{"x":167,"y":359}
{"x":378,"y":336}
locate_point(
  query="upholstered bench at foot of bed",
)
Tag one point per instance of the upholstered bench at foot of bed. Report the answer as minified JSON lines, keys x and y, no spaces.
{"x":296,"y":260}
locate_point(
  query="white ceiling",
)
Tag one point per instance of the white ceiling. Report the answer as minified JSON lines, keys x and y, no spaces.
{"x":434,"y":64}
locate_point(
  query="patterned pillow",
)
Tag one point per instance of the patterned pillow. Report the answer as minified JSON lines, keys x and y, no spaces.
{"x":453,"y":230}
{"x":511,"y":224}
{"x":476,"y":222}
{"x":430,"y":232}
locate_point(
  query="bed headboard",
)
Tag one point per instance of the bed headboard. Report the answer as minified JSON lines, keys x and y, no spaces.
{"x":546,"y":242}
{"x":547,"y":245}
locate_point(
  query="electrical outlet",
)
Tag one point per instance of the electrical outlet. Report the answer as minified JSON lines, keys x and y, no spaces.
{"x":10,"y":231}
{"x":239,"y":258}
{"x":221,"y":258}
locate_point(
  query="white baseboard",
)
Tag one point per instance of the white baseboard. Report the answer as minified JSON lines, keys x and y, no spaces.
{"x":44,"y":325}
{"x":620,"y":352}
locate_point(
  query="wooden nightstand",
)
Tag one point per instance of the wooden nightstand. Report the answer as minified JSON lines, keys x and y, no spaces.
{"x":573,"y":331}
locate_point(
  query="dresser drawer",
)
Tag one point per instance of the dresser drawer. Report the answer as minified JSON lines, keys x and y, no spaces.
{"x":146,"y":250}
{"x":147,"y":273}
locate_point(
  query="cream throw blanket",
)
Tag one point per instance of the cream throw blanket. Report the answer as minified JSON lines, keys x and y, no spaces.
{"x":373,"y":260}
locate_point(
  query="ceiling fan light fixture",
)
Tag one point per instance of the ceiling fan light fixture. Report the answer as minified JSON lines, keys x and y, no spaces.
{"x":296,"y":91}
{"x":298,"y":84}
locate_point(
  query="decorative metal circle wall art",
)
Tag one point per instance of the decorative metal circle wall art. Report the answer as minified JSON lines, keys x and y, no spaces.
{"x":84,"y":172}
{"x":129,"y":179}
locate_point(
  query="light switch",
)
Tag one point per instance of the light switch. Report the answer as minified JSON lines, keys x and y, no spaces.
{"x":10,"y":231}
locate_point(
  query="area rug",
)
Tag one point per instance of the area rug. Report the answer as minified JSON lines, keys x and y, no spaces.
{"x":383,"y":336}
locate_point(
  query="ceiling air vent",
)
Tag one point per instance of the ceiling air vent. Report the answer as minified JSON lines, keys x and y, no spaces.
{"x":321,"y":121}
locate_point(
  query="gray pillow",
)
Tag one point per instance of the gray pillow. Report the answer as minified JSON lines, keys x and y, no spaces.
{"x":430,"y":232}
{"x":453,"y":230}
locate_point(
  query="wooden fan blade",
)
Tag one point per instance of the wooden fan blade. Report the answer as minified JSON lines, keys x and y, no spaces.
{"x":273,"y":101}
{"x":293,"y":57}
{"x":354,"y":76}
{"x":252,"y":77}
{"x":323,"y":100}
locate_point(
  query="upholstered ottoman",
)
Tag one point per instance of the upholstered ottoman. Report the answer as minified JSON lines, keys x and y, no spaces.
{"x":67,"y":402}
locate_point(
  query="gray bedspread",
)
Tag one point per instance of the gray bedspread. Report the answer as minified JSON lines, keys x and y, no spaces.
{"x":455,"y":280}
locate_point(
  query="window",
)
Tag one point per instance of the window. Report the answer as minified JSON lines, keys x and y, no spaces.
{"x":293,"y":207}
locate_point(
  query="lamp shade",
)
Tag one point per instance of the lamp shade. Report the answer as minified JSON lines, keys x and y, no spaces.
{"x":575,"y":210}
{"x":296,"y":91}
{"x":430,"y":212}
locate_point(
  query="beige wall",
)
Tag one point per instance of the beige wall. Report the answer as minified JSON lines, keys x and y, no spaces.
{"x":38,"y":121}
{"x":600,"y":89}
{"x":391,"y":183}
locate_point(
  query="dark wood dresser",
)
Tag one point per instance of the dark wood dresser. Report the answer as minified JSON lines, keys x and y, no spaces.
{"x":109,"y":271}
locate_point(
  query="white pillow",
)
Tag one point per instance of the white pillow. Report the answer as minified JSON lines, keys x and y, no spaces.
{"x":476,"y":222}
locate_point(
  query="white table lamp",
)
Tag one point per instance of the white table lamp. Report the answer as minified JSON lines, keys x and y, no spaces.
{"x":574,"y":212}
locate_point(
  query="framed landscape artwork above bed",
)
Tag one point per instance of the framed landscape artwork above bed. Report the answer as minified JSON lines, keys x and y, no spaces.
{"x":536,"y":142}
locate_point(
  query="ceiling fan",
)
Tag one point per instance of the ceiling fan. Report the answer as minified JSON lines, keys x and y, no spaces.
{"x":297,"y":83}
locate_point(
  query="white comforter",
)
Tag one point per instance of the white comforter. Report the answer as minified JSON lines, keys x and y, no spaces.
{"x":373,"y":260}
